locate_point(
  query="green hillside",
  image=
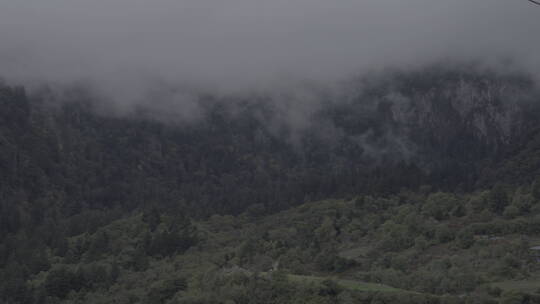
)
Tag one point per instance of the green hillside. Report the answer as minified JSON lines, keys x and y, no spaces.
{"x":418,"y":248}
{"x":416,"y":187}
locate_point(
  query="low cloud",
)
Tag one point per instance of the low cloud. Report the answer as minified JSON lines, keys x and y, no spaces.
{"x":119,"y":45}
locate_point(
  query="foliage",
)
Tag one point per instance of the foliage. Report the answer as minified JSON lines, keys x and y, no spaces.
{"x":242,"y":207}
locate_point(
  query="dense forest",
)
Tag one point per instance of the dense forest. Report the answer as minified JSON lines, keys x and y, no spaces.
{"x":398,"y":187}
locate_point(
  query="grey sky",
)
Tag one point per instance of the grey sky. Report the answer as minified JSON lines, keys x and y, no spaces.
{"x":243,"y":43}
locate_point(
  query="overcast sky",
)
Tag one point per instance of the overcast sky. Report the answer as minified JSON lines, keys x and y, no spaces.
{"x":253,"y":42}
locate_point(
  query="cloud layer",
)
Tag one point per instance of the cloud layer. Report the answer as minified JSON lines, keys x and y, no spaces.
{"x":125,"y":44}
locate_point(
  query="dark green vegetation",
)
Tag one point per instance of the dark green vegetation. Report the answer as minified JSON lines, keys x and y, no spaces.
{"x":418,"y":187}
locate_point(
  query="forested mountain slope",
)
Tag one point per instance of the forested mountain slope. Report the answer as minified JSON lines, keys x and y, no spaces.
{"x":70,"y":167}
{"x":411,"y":248}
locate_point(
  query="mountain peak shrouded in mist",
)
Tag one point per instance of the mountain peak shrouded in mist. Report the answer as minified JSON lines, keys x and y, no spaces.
{"x":318,"y":192}
{"x":269,"y":152}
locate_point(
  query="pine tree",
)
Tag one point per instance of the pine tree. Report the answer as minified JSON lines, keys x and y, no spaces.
{"x":498,"y":199}
{"x":152,"y":218}
{"x":535,"y":191}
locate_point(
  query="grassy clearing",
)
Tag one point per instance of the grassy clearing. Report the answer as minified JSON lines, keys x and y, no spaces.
{"x":347,"y":284}
{"x":529,"y":286}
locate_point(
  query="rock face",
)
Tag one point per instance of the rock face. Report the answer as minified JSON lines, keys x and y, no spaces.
{"x":461,"y":114}
{"x":378,"y":134}
{"x":485,"y":112}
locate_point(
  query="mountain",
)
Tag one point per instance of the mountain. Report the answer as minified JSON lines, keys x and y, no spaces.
{"x":91,"y":195}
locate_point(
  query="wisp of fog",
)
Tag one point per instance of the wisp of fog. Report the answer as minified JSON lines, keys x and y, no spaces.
{"x":124,"y":47}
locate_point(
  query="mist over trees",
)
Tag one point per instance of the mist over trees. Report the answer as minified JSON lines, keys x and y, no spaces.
{"x":69,"y":170}
{"x":236,"y":151}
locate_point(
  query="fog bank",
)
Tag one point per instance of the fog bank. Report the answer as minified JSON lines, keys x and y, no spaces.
{"x":125,"y":47}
